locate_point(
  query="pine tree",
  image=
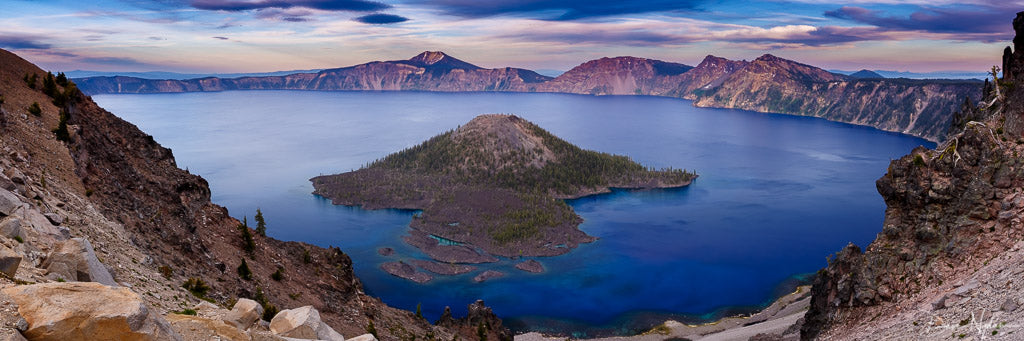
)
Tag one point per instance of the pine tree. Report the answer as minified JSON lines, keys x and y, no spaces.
{"x":243,"y":271}
{"x":261,"y":225}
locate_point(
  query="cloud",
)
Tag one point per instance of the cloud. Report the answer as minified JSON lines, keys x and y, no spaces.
{"x":555,"y":9}
{"x":116,"y":61}
{"x":978,"y":20}
{"x":326,"y":5}
{"x":221,"y":38}
{"x":18,"y":41}
{"x":380,"y":19}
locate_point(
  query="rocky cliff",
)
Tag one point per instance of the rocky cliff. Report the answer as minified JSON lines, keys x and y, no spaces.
{"x":922,"y":108}
{"x":86,"y":196}
{"x":947,"y":263}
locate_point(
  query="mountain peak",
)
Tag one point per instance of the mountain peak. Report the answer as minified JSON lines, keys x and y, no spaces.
{"x":501,"y":135}
{"x":440,"y":59}
{"x":429,"y":57}
{"x":865,"y":73}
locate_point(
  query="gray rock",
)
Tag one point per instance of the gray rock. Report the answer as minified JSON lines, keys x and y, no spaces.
{"x":940,"y":303}
{"x":8,"y":202}
{"x":15,"y":175}
{"x":75,"y":260}
{"x":1009,"y":305}
{"x":54,"y":218}
{"x":364,"y":337}
{"x":966,"y":288}
{"x":10,"y":227}
{"x":9,"y":261}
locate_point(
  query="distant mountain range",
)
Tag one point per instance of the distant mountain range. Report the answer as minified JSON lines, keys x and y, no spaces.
{"x":920,"y":75}
{"x":771,"y":84}
{"x":179,"y":76}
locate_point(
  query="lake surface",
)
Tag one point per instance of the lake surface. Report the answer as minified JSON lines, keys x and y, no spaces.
{"x":776,"y":195}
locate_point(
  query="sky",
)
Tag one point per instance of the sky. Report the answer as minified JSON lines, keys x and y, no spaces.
{"x":200,"y":36}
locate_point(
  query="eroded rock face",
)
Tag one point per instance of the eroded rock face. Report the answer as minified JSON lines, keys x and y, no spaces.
{"x":948,"y":210}
{"x":303,"y":323}
{"x":8,"y":203}
{"x":75,"y":260}
{"x":87,"y":311}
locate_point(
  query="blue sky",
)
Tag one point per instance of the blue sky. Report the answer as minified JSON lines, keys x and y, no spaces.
{"x":271,"y":35}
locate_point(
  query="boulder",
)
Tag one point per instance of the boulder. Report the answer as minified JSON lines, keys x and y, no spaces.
{"x":201,"y":328}
{"x":303,"y":323}
{"x":364,"y":337}
{"x":15,"y":175}
{"x":244,"y":313}
{"x":54,"y":218}
{"x":10,"y":227}
{"x":9,"y":261}
{"x":9,"y":202}
{"x":87,"y":311}
{"x":75,"y":260}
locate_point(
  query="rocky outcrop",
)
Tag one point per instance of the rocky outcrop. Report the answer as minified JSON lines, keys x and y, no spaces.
{"x":303,"y":323}
{"x":479,"y":319}
{"x":87,"y":311}
{"x":953,"y":218}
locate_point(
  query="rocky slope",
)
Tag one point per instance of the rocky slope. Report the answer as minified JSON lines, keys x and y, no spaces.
{"x":493,"y":184}
{"x":73,"y":170}
{"x":770,"y":84}
{"x":922,"y":108}
{"x":947,"y":264}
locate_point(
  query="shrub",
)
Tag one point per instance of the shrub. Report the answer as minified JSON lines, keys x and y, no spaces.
{"x":243,"y":271}
{"x":186,"y":311}
{"x":269,"y":310}
{"x":196,"y":286}
{"x":278,"y":275}
{"x":30,"y":80}
{"x":35,"y":110}
{"x":306,"y":258}
{"x":918,"y":160}
{"x":371,"y":329}
{"x":165,"y":271}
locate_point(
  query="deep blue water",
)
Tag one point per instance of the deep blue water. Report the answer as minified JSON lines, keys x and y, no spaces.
{"x":776,"y":195}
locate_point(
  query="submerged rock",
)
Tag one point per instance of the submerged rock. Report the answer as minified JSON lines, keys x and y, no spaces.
{"x":386,"y":251}
{"x":486,"y":275}
{"x":530,"y":266}
{"x":403,"y":270}
{"x":443,"y":268}
{"x":87,"y":311}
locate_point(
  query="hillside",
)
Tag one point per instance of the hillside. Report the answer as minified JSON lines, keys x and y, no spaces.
{"x":922,"y":108}
{"x":493,"y":184}
{"x":87,"y":196}
{"x":947,"y":262}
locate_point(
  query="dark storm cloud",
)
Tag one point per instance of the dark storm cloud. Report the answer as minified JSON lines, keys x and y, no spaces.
{"x":381,"y":19}
{"x":977,"y":20}
{"x":326,"y":5}
{"x":554,"y":9}
{"x":17,"y":41}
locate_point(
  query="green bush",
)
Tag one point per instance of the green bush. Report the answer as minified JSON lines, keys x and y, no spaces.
{"x":196,"y":286}
{"x":278,"y":275}
{"x":35,"y":110}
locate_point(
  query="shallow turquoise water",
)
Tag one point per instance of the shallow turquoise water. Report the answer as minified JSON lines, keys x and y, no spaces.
{"x":777,"y":194}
